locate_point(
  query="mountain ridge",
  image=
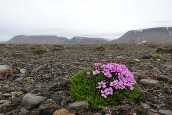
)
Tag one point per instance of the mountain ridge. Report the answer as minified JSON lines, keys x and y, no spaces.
{"x":52,"y":39}
{"x":159,"y":35}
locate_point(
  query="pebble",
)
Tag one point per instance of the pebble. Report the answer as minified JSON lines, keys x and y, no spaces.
{"x":23,"y":110}
{"x":29,"y":101}
{"x":38,"y":68}
{"x":62,"y":112}
{"x":6,"y":102}
{"x":7,"y":94}
{"x":120,"y":57}
{"x":145,"y":106}
{"x":97,"y":114}
{"x":137,"y":60}
{"x":19,"y":79}
{"x":2,"y":101}
{"x":164,"y":78}
{"x":105,"y":111}
{"x":4,"y":67}
{"x":153,"y":110}
{"x":158,"y":59}
{"x":65,"y":100}
{"x":152,"y":113}
{"x":165,"y":112}
{"x":149,"y":81}
{"x":79,"y":104}
{"x":23,"y":71}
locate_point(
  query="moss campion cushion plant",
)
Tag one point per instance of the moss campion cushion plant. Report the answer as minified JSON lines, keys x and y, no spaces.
{"x":104,"y":85}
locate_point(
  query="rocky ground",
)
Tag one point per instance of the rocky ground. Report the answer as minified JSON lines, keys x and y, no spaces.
{"x":34,"y":79}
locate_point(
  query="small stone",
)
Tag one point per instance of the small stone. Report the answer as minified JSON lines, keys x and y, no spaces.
{"x":23,"y":71}
{"x":158,"y":59}
{"x":165,"y":112}
{"x":19,"y":79}
{"x":105,"y":111}
{"x":4,"y":68}
{"x":153,"y":110}
{"x":137,"y":60}
{"x":160,"y":105}
{"x":49,"y":103}
{"x":146,"y":57}
{"x":38,"y":68}
{"x":62,"y":112}
{"x":152,"y":113}
{"x":2,"y":114}
{"x":29,"y":101}
{"x":7,"y":94}
{"x":149,"y":81}
{"x":65,"y":100}
{"x":145,"y":106}
{"x":2,"y":101}
{"x":97,"y":114}
{"x":120,"y":57}
{"x":6,"y":102}
{"x":164,"y":78}
{"x":6,"y":86}
{"x":23,"y":110}
{"x":79,"y":104}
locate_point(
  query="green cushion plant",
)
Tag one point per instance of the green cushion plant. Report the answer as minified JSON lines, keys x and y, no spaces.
{"x":104,"y":85}
{"x":156,"y":56}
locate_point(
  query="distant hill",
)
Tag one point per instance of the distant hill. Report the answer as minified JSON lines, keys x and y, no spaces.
{"x":86,"y":40}
{"x":37,"y":39}
{"x":1,"y":41}
{"x":161,"y":35}
{"x":50,"y":39}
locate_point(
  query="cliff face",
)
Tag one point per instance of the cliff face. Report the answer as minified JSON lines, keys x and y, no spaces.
{"x":160,"y":35}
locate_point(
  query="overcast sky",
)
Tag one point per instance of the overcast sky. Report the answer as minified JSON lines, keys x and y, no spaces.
{"x":92,"y":18}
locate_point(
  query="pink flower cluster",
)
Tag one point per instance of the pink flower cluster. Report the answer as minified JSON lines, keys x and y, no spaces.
{"x":118,"y":75}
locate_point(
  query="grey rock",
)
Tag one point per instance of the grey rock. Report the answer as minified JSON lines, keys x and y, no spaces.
{"x":137,"y":60}
{"x":2,"y":101}
{"x":49,"y":103}
{"x":149,"y":81}
{"x":7,"y":94}
{"x":6,"y":102}
{"x":165,"y":112}
{"x":97,"y":114}
{"x":23,"y":71}
{"x":158,"y":59}
{"x":65,"y":100}
{"x":164,"y":78}
{"x":153,"y":113}
{"x":38,"y":68}
{"x":79,"y":104}
{"x":145,"y":106}
{"x":60,"y":92}
{"x":23,"y":110}
{"x":105,"y":111}
{"x":19,"y":79}
{"x":120,"y":57}
{"x":29,"y":101}
{"x":62,"y":112}
{"x":2,"y":114}
{"x":4,"y":68}
{"x":153,"y":110}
